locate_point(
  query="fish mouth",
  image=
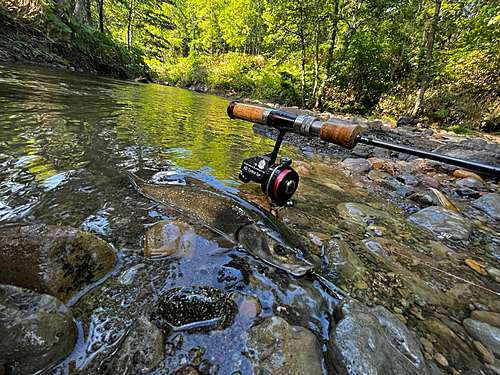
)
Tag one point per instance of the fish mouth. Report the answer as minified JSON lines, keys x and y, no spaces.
{"x":301,"y":269}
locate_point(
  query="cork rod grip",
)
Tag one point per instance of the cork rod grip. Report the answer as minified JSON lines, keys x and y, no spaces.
{"x":341,"y":134}
{"x":246,"y":112}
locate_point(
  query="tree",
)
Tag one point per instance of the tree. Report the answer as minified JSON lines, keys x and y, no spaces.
{"x":428,"y":57}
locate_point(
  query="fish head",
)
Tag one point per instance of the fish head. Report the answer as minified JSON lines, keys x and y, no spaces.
{"x":277,"y":246}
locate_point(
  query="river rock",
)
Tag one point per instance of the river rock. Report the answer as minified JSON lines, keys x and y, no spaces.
{"x":490,"y":204}
{"x":400,"y":188}
{"x":195,"y":309}
{"x":487,"y":335}
{"x":170,"y":237}
{"x":372,"y":341}
{"x":140,"y":350}
{"x":475,"y":149}
{"x":275,"y":347}
{"x":344,"y":262}
{"x":397,"y":257}
{"x":492,"y":318}
{"x":458,"y":353}
{"x":443,"y":222}
{"x":36,"y":330}
{"x":365,"y":215}
{"x":51,"y":259}
{"x":469,"y":182}
{"x":357,"y":165}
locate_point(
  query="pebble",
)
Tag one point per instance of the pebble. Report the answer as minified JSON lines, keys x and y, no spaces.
{"x":492,"y":318}
{"x":428,"y":346}
{"x":432,"y":182}
{"x":441,"y":359}
{"x":484,"y":355}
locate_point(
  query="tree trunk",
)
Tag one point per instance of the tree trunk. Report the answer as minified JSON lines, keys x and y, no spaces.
{"x":100,"y":6}
{"x":303,"y":59}
{"x":316,"y":51}
{"x":88,"y":13}
{"x":79,"y":10}
{"x":130,"y":21}
{"x":329,"y":57}
{"x":59,"y":9}
{"x":428,"y":58}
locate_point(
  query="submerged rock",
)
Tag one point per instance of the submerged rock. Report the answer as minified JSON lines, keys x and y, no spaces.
{"x":140,"y":350}
{"x":344,"y":262}
{"x":36,"y":330}
{"x":365,"y":215}
{"x":196,"y":308}
{"x":487,"y":335}
{"x":59,"y":261}
{"x":357,"y":165}
{"x":458,"y":353}
{"x":443,"y":222}
{"x":170,"y":237}
{"x":276,"y":347}
{"x":490,"y":204}
{"x":372,"y":341}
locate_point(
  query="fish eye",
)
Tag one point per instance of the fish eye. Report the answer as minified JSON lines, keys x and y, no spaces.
{"x":279,"y":249}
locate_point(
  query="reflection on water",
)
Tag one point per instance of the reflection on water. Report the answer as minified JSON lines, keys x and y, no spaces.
{"x":65,"y":137}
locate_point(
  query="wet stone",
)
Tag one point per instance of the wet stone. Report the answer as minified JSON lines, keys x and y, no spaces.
{"x":170,"y":237}
{"x":140,"y":351}
{"x":36,"y":330}
{"x":484,"y":355}
{"x":443,"y":222}
{"x":195,"y":309}
{"x":489,"y":204}
{"x":488,"y":335}
{"x":344,"y":262}
{"x":277,"y":347}
{"x":357,"y":165}
{"x":469,"y":182}
{"x":400,"y":188}
{"x":372,"y":341}
{"x":51,"y":259}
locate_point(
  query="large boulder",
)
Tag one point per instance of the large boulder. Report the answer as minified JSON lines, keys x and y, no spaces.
{"x":372,"y":341}
{"x":59,"y":261}
{"x":36,"y":330}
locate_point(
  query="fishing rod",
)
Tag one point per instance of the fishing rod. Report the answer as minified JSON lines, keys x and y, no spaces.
{"x":279,"y":181}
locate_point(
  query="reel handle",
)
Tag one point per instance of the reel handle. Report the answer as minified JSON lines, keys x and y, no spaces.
{"x":335,"y":131}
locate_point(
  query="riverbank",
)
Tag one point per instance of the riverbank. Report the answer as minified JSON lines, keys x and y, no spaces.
{"x":72,"y":47}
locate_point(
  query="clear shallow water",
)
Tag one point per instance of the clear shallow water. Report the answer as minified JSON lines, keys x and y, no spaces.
{"x":65,"y":137}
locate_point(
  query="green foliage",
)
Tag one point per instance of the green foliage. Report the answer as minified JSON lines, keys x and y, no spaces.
{"x":277,"y":50}
{"x":459,"y":129}
{"x":237,"y":73}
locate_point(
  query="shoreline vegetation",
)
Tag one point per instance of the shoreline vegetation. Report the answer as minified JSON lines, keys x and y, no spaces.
{"x":429,"y":60}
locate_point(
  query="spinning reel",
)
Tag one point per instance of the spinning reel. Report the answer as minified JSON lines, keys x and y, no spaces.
{"x":278,"y":181}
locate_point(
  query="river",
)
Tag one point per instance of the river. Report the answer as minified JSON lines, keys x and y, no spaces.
{"x":65,"y":139}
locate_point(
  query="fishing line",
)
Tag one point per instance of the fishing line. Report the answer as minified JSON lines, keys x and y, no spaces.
{"x":407,"y":256}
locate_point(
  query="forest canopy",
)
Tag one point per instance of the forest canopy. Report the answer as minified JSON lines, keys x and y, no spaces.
{"x":434,"y":59}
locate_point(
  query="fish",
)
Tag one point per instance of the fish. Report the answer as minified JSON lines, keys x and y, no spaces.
{"x":257,"y":231}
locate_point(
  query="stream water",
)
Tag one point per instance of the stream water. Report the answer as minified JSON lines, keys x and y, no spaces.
{"x":64,"y":140}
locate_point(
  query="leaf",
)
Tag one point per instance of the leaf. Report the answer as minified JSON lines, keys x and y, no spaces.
{"x":445,"y":202}
{"x":59,"y":23}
